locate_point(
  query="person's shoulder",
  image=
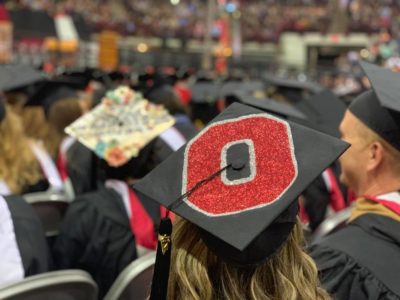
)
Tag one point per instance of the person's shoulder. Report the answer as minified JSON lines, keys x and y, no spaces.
{"x":103,"y":203}
{"x":20,"y":209}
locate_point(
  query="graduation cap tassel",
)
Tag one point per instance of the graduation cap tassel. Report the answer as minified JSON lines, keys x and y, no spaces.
{"x":159,"y":286}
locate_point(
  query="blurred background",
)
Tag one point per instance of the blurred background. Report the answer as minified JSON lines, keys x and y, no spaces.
{"x":318,"y":40}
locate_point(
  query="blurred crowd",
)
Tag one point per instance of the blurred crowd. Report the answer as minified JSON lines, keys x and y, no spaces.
{"x":261,"y":20}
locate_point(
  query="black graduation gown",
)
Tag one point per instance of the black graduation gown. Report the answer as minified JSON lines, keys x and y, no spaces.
{"x":185,"y":126}
{"x":81,"y":169}
{"x":161,"y":149}
{"x":361,"y":261}
{"x":316,"y":202}
{"x":96,"y":236}
{"x":30,"y":236}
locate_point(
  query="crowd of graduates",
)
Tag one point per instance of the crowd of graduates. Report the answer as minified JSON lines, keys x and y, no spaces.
{"x":228,"y":180}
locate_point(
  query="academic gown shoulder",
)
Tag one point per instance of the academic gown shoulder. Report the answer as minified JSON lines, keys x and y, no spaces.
{"x":80,"y":168}
{"x":30,"y":236}
{"x":96,"y":236}
{"x":361,"y":261}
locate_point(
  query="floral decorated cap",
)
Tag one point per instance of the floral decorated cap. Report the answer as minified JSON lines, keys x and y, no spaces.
{"x":118,"y":128}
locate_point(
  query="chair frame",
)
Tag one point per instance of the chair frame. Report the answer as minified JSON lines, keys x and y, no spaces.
{"x":329,"y":225}
{"x":45,"y":280}
{"x":128,"y":274}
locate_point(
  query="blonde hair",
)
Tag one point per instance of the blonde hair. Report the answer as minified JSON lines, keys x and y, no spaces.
{"x":19,"y":167}
{"x":35,"y":123}
{"x":288,"y":274}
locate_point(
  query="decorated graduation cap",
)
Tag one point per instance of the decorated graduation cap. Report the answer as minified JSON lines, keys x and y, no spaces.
{"x":238,"y":180}
{"x":379,"y":108}
{"x":324,"y":111}
{"x":268,"y":105}
{"x":15,"y":77}
{"x":118,"y":128}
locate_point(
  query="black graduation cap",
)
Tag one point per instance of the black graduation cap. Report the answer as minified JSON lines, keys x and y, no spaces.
{"x":231,"y":87}
{"x":324,"y":110}
{"x":205,"y":92}
{"x":265,"y":104}
{"x":292,"y":89}
{"x":51,"y":91}
{"x":379,"y":108}
{"x":13,"y":77}
{"x":239,"y":180}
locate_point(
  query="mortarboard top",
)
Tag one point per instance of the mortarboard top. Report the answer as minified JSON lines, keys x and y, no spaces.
{"x":268,"y":105}
{"x":231,"y":87}
{"x":292,"y":89}
{"x":14,"y":77}
{"x":88,"y":74}
{"x":240,"y":177}
{"x":324,"y":110}
{"x":205,"y":92}
{"x":50,"y":91}
{"x":379,"y":108}
{"x":293,"y":84}
{"x":118,"y":128}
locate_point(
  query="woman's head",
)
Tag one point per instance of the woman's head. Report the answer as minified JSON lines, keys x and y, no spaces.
{"x":18,"y":166}
{"x":60,"y":115}
{"x":197,"y":273}
{"x":165,"y":95}
{"x":238,"y":181}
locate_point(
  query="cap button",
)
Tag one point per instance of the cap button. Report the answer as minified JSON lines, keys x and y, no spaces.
{"x":238,"y":164}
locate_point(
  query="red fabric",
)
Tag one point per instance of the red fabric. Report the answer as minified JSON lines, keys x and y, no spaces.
{"x":302,"y":213}
{"x":336,"y":198}
{"x":3,"y":13}
{"x":142,"y":225}
{"x":62,"y":166}
{"x":393,"y":206}
{"x":351,"y":197}
{"x":184,"y":94}
{"x":163,"y":213}
{"x":275,"y":166}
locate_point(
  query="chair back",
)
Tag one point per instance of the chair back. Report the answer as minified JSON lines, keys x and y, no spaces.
{"x":331,"y":224}
{"x":58,"y":285}
{"x":50,"y":207}
{"x":134,"y":282}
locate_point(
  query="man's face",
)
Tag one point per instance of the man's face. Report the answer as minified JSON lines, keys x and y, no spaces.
{"x":353,"y":161}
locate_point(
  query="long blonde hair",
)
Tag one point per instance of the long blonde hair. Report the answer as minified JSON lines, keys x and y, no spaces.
{"x":196,"y":273}
{"x":19,"y":167}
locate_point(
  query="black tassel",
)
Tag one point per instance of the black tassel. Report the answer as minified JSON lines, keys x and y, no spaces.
{"x":159,"y":286}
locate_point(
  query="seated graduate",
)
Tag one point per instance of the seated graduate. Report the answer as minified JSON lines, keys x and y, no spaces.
{"x":20,"y":170}
{"x":235,"y":186}
{"x":22,"y":241}
{"x":182,"y":131}
{"x":362,"y":260}
{"x":62,"y":104}
{"x":326,"y":195}
{"x":19,"y":84}
{"x":106,"y":230}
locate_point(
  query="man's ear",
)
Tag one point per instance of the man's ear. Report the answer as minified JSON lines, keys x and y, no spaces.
{"x":375,"y":155}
